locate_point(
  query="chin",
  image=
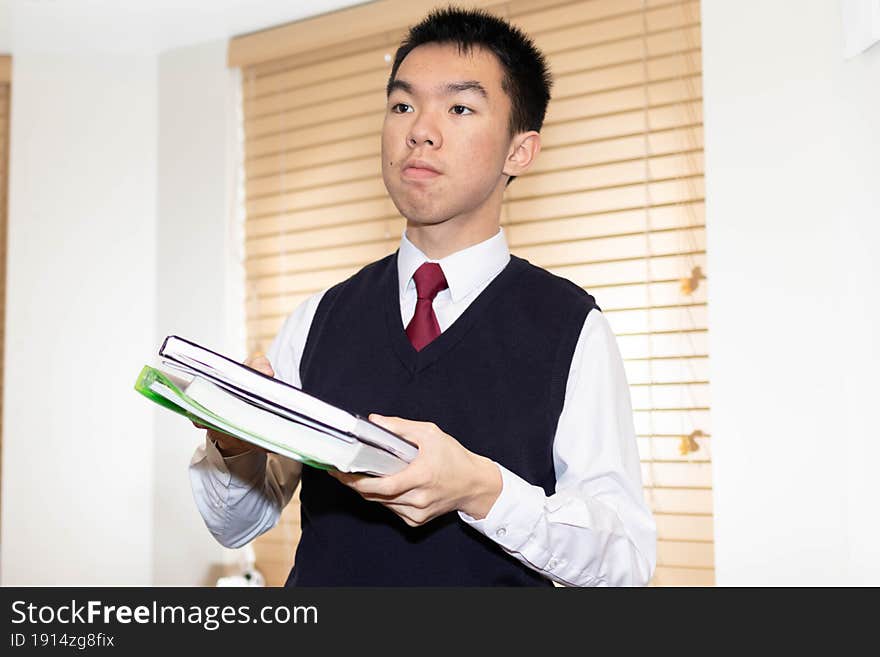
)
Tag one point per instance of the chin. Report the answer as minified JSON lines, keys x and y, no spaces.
{"x":421,"y":220}
{"x":424,"y":212}
{"x":422,"y":216}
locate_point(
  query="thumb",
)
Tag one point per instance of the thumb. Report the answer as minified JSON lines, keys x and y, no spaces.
{"x":397,"y":425}
{"x":385,"y":421}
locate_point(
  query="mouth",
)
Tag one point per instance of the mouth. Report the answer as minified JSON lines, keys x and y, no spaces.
{"x":419,"y":170}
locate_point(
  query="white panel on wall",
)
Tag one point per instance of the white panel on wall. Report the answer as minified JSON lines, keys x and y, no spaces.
{"x":78,"y":458}
{"x":792,"y":144}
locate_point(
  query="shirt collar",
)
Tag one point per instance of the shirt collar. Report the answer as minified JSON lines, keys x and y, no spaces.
{"x":465,"y":270}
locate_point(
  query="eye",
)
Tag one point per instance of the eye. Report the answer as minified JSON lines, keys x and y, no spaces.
{"x":401,"y":108}
{"x":461,"y":110}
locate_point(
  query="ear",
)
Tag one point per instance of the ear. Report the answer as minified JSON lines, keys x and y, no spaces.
{"x":524,"y":148}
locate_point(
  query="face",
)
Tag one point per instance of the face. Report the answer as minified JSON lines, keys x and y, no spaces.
{"x":445,"y":140}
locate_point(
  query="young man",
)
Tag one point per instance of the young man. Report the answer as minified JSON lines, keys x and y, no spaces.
{"x":508,"y":378}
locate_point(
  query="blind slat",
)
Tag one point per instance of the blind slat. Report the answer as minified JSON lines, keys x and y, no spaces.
{"x":610,"y":175}
{"x":668,"y":371}
{"x":359,"y":126}
{"x":680,"y":474}
{"x":665,"y":576}
{"x":684,"y":527}
{"x":664,"y":345}
{"x":670,"y":396}
{"x":599,"y":275}
{"x":273,"y":254}
{"x":591,"y":33}
{"x":634,"y":49}
{"x":534,"y":16}
{"x":668,"y":422}
{"x":343,"y":86}
{"x":595,"y":80}
{"x":316,"y":115}
{"x":633,"y":245}
{"x":598,"y":225}
{"x":606,"y":200}
{"x":625,"y":100}
{"x":685,"y":553}
{"x":657,"y":319}
{"x":336,"y":152}
{"x":679,"y":500}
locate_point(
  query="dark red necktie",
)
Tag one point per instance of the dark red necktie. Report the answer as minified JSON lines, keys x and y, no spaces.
{"x":423,"y":327}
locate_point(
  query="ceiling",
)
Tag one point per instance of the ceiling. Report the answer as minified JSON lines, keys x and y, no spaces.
{"x":141,"y":26}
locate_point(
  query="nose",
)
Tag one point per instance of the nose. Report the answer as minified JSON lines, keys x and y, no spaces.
{"x":423,"y":132}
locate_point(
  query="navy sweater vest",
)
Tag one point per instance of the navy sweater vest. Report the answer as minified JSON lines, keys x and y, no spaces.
{"x":494,"y":380}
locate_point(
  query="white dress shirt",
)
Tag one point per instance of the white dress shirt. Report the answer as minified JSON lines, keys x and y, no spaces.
{"x":596,"y":528}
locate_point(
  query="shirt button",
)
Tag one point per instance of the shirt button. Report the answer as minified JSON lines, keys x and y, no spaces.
{"x":552,"y":564}
{"x":501,"y":532}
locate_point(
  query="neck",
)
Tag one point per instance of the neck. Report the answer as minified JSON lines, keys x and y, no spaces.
{"x":447,"y":237}
{"x":441,"y":240}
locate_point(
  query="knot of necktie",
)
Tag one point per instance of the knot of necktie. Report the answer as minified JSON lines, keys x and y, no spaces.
{"x":429,"y":280}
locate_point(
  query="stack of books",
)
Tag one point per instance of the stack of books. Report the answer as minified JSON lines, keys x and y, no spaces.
{"x":221,"y":394}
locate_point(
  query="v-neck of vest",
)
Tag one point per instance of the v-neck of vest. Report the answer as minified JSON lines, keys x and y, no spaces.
{"x":416,"y":361}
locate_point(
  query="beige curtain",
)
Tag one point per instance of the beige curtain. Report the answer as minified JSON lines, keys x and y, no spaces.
{"x":615,"y":204}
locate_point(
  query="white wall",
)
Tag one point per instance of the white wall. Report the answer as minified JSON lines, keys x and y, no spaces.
{"x":121,"y":231}
{"x":78,"y":441}
{"x":199,"y":287}
{"x":793,"y":220}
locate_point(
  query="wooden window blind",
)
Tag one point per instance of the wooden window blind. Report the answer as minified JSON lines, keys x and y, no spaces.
{"x":5,"y":84}
{"x":614,"y":203}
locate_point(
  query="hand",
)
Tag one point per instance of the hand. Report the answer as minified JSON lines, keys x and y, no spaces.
{"x":444,"y":477}
{"x":230,"y":445}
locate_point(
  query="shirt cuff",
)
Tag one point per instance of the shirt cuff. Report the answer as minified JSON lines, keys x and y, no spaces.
{"x":240,"y":470}
{"x":512,"y":519}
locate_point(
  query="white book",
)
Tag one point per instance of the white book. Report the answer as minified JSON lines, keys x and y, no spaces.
{"x":278,"y":396}
{"x":219,"y":408}
{"x":187,"y":373}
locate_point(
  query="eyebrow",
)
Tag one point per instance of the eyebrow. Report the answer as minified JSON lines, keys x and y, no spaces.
{"x":449,"y":89}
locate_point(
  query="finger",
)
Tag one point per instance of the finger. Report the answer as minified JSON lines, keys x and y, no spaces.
{"x":415,"y":498}
{"x":388,"y":421}
{"x":366,"y":485}
{"x":351,"y":480}
{"x":259,"y":362}
{"x":390,"y":486}
{"x":347,"y":478}
{"x":360,"y":483}
{"x":412,"y":430}
{"x":412,"y":517}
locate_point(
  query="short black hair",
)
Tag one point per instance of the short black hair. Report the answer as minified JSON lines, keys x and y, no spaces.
{"x":527,"y":78}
